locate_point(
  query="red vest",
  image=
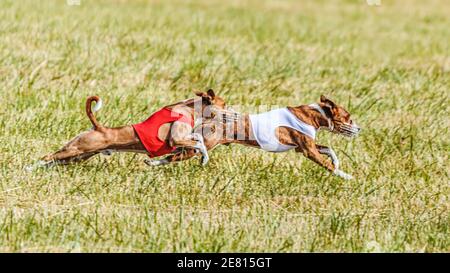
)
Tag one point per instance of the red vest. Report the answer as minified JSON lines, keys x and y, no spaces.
{"x":147,"y":131}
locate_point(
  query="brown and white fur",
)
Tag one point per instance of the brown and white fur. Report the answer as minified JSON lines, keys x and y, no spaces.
{"x":102,"y":139}
{"x":324,"y":115}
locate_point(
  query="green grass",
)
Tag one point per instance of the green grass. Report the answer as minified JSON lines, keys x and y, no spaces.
{"x":388,"y":65}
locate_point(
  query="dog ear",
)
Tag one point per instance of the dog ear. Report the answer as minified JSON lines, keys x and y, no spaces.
{"x":327,"y":105}
{"x":199,"y":93}
{"x":209,"y":95}
{"x":327,"y":101}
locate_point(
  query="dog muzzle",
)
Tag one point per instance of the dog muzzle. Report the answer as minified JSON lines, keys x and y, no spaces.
{"x":348,"y":130}
{"x":228,"y":115}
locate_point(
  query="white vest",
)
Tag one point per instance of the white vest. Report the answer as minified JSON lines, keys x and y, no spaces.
{"x":264,"y":128}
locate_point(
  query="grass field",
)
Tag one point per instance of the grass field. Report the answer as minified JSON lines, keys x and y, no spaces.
{"x":389,"y":65}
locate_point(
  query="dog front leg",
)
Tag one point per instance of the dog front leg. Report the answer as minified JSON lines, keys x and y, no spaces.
{"x":209,"y":141}
{"x":194,"y":141}
{"x":329,"y":152}
{"x":182,"y":137}
{"x":337,"y":171}
{"x":200,"y":146}
{"x":314,"y":155}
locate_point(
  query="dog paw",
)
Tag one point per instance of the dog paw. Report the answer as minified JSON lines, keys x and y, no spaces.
{"x":343,"y":175}
{"x":150,"y":162}
{"x":32,"y":167}
{"x":107,"y":152}
{"x":29,"y":168}
{"x":156,"y":162}
{"x":205,"y":160}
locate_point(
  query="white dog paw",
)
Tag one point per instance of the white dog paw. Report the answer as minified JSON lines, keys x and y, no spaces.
{"x":343,"y":175}
{"x":32,"y":167}
{"x":156,"y":162}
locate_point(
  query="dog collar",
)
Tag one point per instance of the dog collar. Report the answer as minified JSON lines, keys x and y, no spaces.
{"x":317,"y":107}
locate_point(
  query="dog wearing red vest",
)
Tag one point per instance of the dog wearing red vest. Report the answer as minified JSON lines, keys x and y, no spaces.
{"x":166,"y":131}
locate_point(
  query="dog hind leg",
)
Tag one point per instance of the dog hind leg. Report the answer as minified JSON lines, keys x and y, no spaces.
{"x":179,"y":156}
{"x":82,"y":147}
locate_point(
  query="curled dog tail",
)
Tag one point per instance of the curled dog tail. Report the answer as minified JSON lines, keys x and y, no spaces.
{"x":90,"y":114}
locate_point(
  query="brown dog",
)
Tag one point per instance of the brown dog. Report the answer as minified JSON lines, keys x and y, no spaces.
{"x":168,"y":135}
{"x":280,"y":130}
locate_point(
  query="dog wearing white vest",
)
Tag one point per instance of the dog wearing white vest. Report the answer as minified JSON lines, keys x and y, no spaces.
{"x":278,"y":131}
